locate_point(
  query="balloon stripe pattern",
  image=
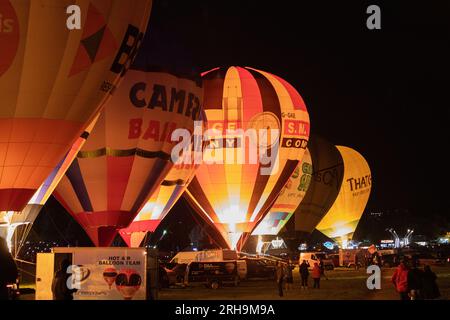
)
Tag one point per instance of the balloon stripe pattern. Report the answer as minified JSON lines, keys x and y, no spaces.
{"x":53,"y":81}
{"x":288,"y":200}
{"x":328,"y":172}
{"x":342,"y":219}
{"x":128,"y":154}
{"x":159,"y":204}
{"x":233,"y":194}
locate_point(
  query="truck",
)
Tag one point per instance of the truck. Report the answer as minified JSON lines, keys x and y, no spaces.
{"x":212,"y":274}
{"x":315,"y":257}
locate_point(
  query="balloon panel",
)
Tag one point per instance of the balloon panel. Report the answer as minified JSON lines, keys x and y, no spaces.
{"x":238,"y":192}
{"x":53,"y":80}
{"x":328,"y":172}
{"x":288,"y":200}
{"x":128,"y":154}
{"x":344,"y":215}
{"x":159,"y":204}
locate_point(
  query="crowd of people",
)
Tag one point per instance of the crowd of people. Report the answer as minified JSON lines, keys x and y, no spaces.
{"x":285,"y":279}
{"x":413,"y":283}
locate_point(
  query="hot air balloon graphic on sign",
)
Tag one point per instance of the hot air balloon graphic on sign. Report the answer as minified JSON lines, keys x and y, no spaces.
{"x":109,"y":275}
{"x":128,"y":282}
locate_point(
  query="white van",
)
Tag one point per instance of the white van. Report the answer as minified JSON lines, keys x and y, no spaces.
{"x":313,"y":257}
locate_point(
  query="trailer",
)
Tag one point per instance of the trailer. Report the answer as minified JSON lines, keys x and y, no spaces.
{"x":100,"y":273}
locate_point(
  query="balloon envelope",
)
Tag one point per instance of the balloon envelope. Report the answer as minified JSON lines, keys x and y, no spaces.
{"x":128,"y":154}
{"x":328,"y":171}
{"x":341,"y":220}
{"x":54,"y":80}
{"x":288,"y":200}
{"x":236,"y":192}
{"x":159,"y":204}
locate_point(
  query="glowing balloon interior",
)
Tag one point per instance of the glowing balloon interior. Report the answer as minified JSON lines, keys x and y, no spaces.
{"x":54,"y":80}
{"x":237,"y":183}
{"x":341,"y":220}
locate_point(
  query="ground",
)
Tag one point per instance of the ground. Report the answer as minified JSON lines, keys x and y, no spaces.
{"x":342,"y":283}
{"x":346,"y":284}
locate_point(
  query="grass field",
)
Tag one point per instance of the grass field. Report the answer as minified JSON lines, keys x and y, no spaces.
{"x":345,"y":284}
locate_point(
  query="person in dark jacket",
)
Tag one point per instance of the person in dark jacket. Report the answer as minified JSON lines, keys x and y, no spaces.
{"x":59,"y":285}
{"x":304,"y":274}
{"x":280,"y":277}
{"x":8,"y":270}
{"x":289,"y":276}
{"x":430,"y":289}
{"x":415,"y":276}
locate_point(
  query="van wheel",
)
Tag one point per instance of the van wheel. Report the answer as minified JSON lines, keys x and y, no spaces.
{"x":214,"y":284}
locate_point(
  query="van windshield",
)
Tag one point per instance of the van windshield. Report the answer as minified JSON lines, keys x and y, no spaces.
{"x":321,"y":255}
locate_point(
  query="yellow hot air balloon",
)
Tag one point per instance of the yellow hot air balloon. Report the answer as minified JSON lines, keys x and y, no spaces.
{"x":53,"y":81}
{"x":341,"y":220}
{"x":328,"y":171}
{"x":129,"y":152}
{"x":234,"y":188}
{"x":288,"y":200}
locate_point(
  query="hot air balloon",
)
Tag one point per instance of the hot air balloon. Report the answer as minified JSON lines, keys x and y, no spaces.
{"x":341,"y":220}
{"x":234,"y":188}
{"x":328,"y":171}
{"x":288,"y":200}
{"x":129,"y":152}
{"x":54,"y":80}
{"x":17,"y":224}
{"x":159,"y":204}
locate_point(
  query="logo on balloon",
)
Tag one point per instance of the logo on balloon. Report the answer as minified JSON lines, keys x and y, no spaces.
{"x":9,"y":35}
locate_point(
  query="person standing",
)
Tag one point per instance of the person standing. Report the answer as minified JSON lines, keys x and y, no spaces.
{"x":304,"y":274}
{"x":316,"y":274}
{"x":322,"y":268}
{"x":289,"y":276}
{"x":280,"y":277}
{"x":60,"y":289}
{"x":400,"y":280}
{"x":415,"y":276}
{"x":8,"y":270}
{"x":430,"y":289}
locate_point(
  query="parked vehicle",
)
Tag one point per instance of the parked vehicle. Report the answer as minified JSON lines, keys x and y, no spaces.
{"x":260,"y":268}
{"x":314,"y":257}
{"x":428,"y":259}
{"x":212,"y":274}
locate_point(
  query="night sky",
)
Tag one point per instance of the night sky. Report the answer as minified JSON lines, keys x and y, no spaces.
{"x":382,"y":92}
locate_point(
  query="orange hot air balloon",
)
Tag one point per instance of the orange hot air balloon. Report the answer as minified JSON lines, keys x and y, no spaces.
{"x":288,"y":200}
{"x":128,"y":154}
{"x":54,"y":80}
{"x":159,"y":204}
{"x":15,"y":225}
{"x":235,"y":186}
{"x":328,"y":171}
{"x":342,"y":219}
